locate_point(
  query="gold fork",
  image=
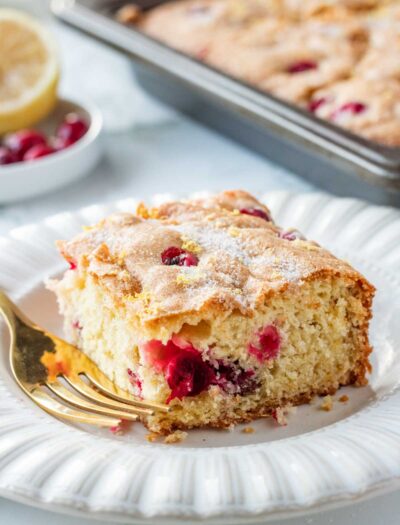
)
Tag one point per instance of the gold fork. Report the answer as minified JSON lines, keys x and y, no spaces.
{"x":39,"y":359}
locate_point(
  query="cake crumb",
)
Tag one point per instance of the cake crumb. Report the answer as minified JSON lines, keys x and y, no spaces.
{"x":248,"y":430}
{"x":142,"y":211}
{"x":151,"y":437}
{"x":122,"y":427}
{"x":327,"y":404}
{"x":344,"y":398}
{"x":275,"y":275}
{"x":128,"y":14}
{"x":176,"y":437}
{"x":279,"y":416}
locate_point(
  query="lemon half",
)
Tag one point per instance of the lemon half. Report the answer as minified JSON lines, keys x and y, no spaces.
{"x":29,"y":71}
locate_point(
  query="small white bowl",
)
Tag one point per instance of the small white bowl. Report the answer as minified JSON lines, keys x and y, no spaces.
{"x":27,"y":179}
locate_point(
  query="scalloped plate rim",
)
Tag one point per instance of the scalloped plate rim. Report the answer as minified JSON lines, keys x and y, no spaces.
{"x":249,"y":515}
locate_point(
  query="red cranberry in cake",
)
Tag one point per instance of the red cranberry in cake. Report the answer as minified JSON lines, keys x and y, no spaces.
{"x":174,"y":256}
{"x":256,"y":212}
{"x":268,"y":344}
{"x":350,"y":108}
{"x":203,"y":53}
{"x":135,"y":381}
{"x":77,"y":325}
{"x":315,"y":104}
{"x":233,"y":379}
{"x":157,"y":354}
{"x":301,"y":66}
{"x":291,"y":235}
{"x":187,"y":374}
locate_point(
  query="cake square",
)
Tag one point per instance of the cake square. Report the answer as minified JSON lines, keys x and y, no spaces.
{"x":207,"y":305}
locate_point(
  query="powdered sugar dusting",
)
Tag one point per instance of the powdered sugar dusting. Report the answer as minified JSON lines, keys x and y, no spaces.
{"x":213,"y":239}
{"x":289,"y":268}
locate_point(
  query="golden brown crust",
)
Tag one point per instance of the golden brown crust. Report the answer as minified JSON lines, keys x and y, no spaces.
{"x":243,"y":259}
{"x":265,"y":409}
{"x":303,"y":51}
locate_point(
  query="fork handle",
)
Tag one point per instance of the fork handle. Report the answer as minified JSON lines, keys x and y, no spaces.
{"x":7,"y":311}
{"x":11,"y":312}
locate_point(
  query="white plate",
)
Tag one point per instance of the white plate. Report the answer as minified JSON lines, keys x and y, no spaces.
{"x":319,"y":459}
{"x":23,"y":180}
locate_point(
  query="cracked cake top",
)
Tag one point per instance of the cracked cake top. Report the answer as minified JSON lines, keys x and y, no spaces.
{"x":205,"y":256}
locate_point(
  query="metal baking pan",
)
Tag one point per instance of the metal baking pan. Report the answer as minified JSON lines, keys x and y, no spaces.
{"x":325,"y":154}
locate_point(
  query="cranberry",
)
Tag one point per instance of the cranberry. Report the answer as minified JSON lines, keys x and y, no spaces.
{"x":135,"y":381}
{"x":256,"y":212}
{"x":203,"y":53}
{"x":185,"y":371}
{"x":41,"y":150}
{"x":158,"y":354}
{"x":179,"y":257}
{"x":233,"y":379}
{"x":121,"y":428}
{"x":77,"y":325}
{"x":269,"y":343}
{"x":7,"y":156}
{"x":352,"y":108}
{"x":60,"y":144}
{"x":72,"y":129}
{"x":187,"y":374}
{"x":291,"y":235}
{"x":22,"y":141}
{"x":315,"y":104}
{"x":301,"y":66}
{"x":72,"y":265}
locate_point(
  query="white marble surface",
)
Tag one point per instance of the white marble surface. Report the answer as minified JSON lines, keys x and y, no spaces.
{"x":150,"y":149}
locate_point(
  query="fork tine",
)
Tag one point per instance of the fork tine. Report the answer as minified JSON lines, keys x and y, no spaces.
{"x":53,"y":407}
{"x":85,"y":390}
{"x":57,"y":388}
{"x":107,"y":387}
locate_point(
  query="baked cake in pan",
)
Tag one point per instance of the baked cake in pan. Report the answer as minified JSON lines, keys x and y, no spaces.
{"x":296,"y":49}
{"x":210,"y":307}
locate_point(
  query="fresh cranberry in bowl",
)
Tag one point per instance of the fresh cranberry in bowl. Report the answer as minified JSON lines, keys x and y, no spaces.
{"x":22,"y":141}
{"x":41,"y":150}
{"x":73,"y":128}
{"x":60,"y":144}
{"x":46,"y":173}
{"x":7,"y":156}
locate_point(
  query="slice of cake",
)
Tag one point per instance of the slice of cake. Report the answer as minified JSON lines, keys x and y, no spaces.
{"x":208,"y":306}
{"x":370,"y":108}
